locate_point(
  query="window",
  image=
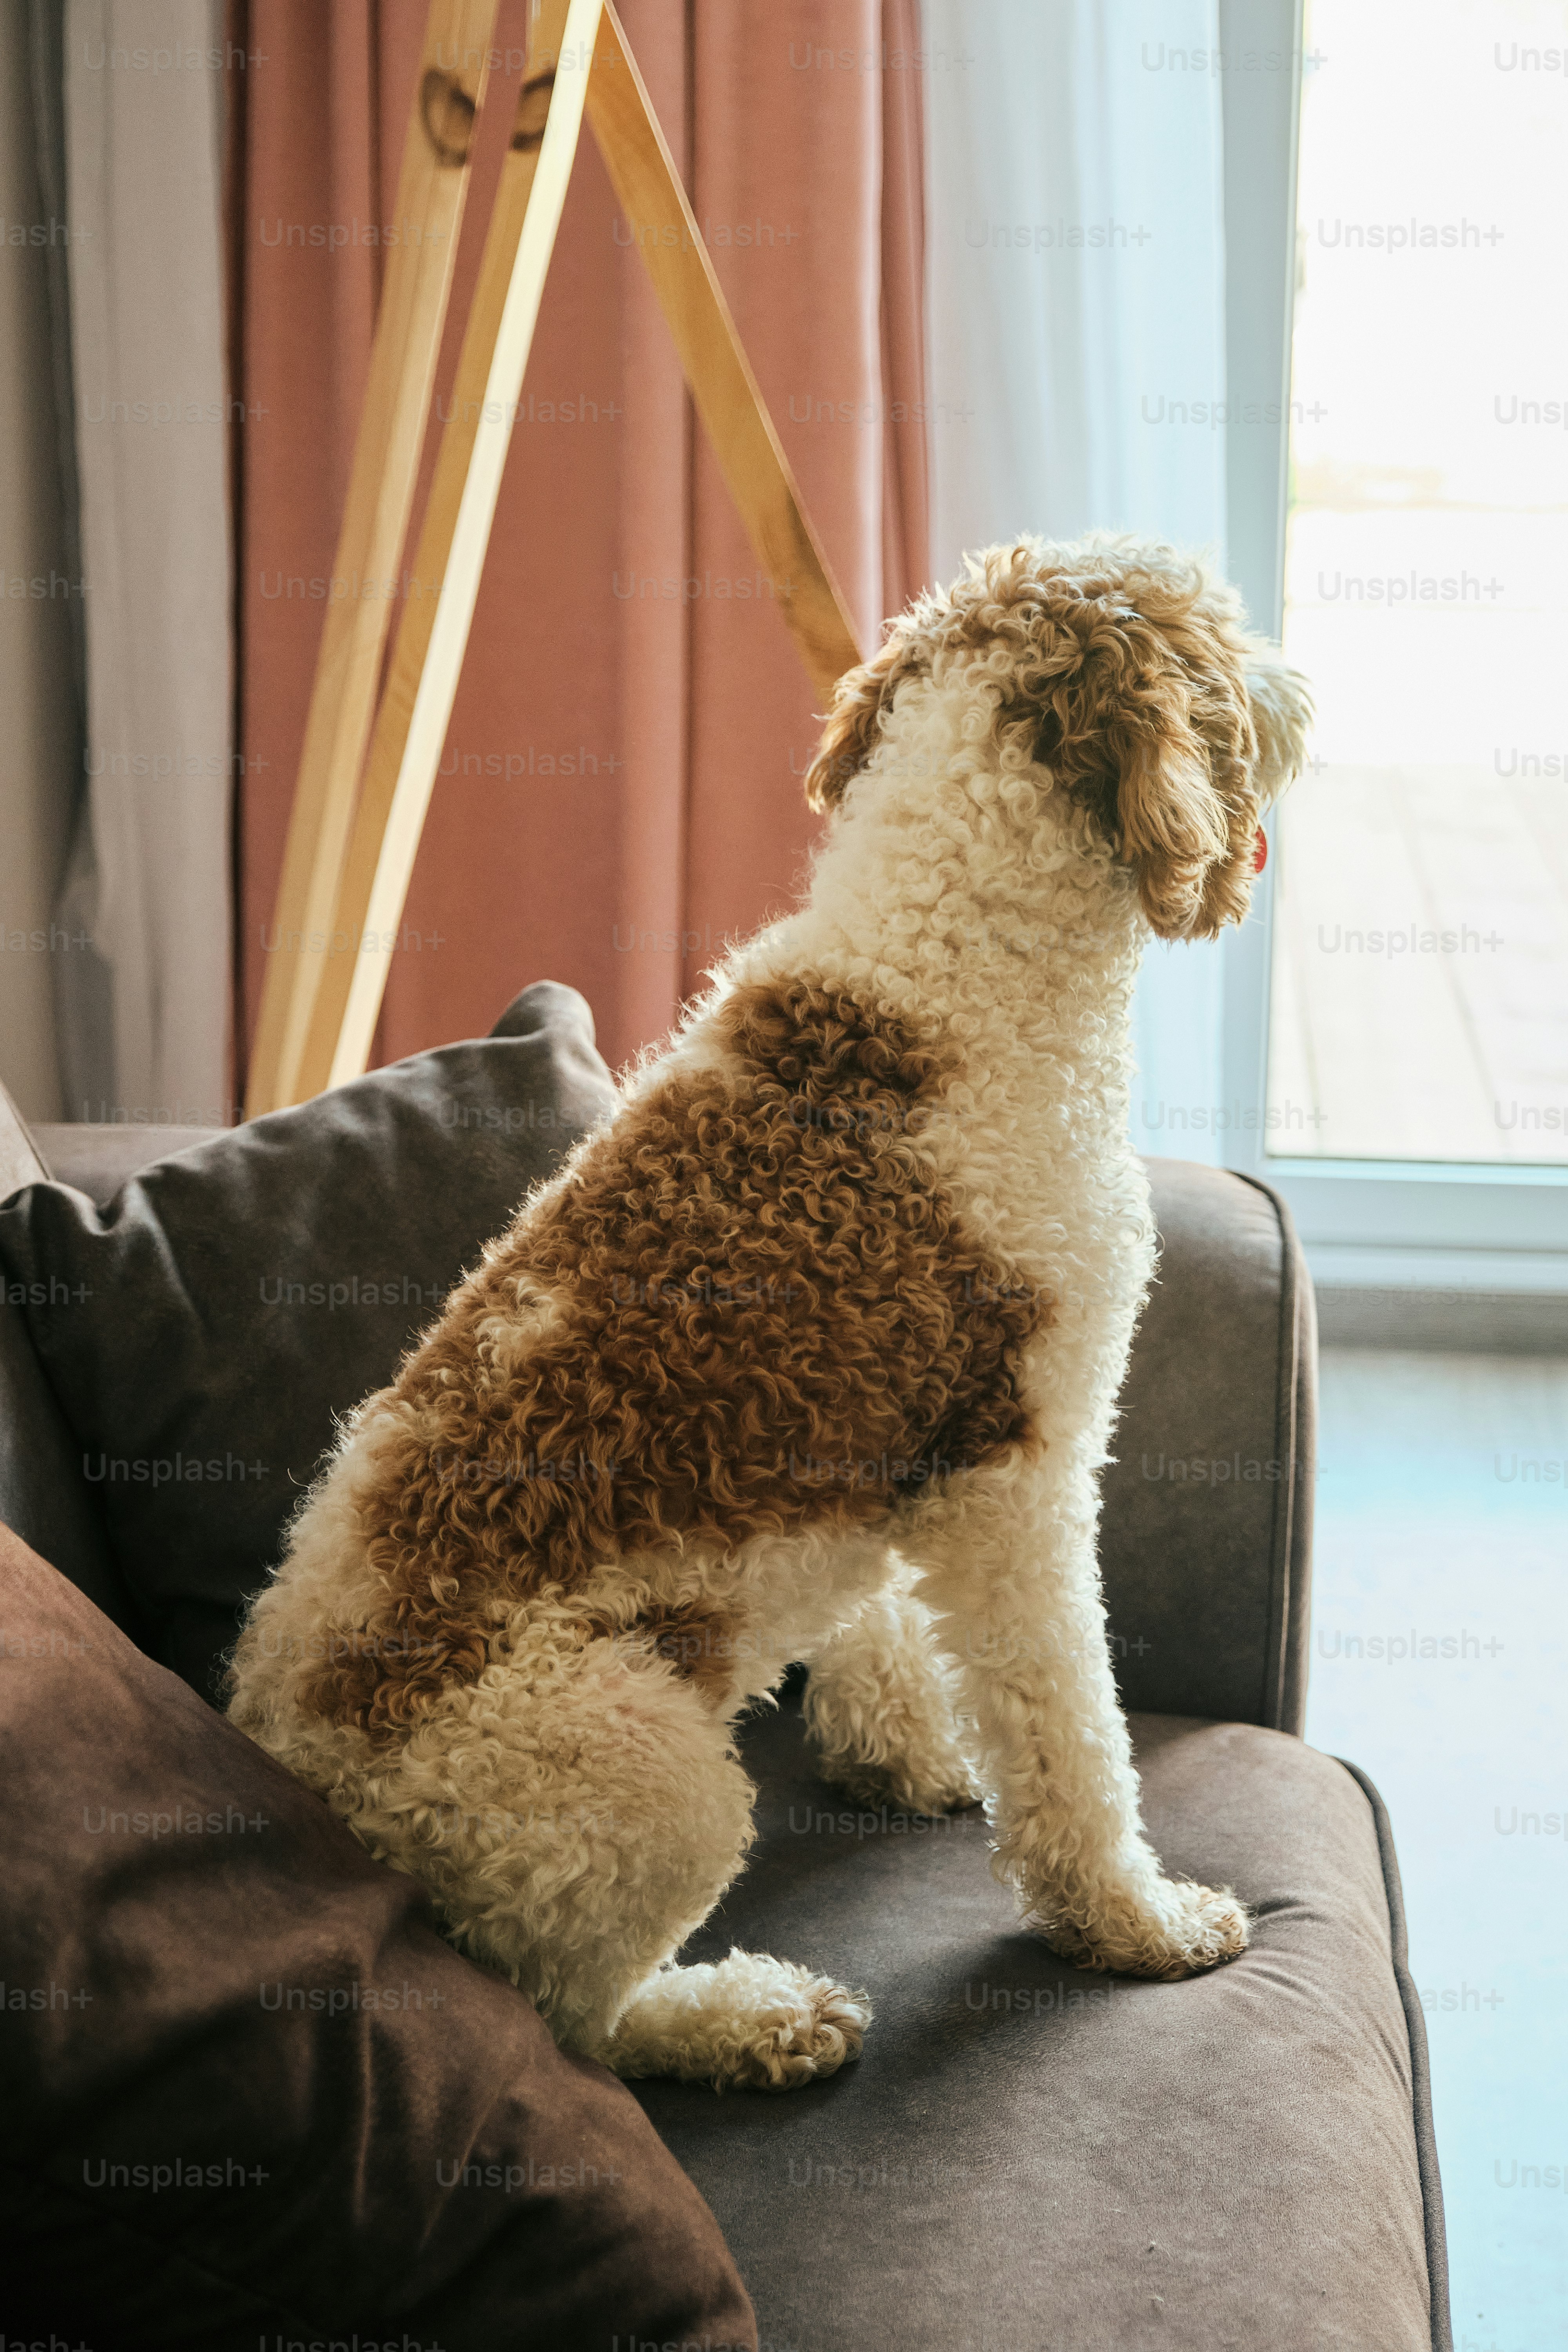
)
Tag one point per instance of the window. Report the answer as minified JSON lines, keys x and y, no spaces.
{"x":1420,"y":980}
{"x":1416,"y":1039}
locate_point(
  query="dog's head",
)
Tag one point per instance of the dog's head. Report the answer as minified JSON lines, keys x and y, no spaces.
{"x":1127,"y":671}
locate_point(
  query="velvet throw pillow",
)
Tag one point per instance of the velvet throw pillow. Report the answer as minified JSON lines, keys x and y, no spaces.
{"x":202,"y":1331}
{"x":250,"y":2095}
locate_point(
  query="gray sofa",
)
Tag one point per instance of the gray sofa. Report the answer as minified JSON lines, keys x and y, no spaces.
{"x":1028,"y":2159}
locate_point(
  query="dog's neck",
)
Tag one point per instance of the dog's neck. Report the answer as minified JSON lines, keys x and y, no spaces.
{"x":977,"y":897}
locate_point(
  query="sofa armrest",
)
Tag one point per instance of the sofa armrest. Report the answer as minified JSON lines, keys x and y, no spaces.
{"x":1205,"y":1539}
{"x":98,"y":1158}
{"x":43,"y":1497}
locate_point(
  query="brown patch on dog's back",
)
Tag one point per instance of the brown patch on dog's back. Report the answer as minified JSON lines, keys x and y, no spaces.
{"x":760,"y":1290}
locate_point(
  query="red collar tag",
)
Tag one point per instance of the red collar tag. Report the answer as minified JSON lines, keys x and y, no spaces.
{"x":1260,"y":852}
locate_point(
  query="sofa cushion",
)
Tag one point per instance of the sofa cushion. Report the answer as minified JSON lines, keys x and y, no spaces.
{"x":202,"y":1331}
{"x":250,"y":2091}
{"x":1030,"y":2155}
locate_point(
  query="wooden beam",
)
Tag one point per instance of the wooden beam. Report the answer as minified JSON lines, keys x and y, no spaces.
{"x":377,"y":864}
{"x":433,"y":632}
{"x":728,"y":396}
{"x":431,"y":191}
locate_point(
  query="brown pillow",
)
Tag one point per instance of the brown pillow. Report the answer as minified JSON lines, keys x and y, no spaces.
{"x":250,"y":2093}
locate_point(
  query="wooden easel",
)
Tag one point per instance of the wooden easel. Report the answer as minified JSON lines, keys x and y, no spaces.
{"x":351,"y":846}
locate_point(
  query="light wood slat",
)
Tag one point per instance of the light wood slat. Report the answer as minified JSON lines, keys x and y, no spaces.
{"x":432,"y":634}
{"x":727,"y":393}
{"x":432,"y":187}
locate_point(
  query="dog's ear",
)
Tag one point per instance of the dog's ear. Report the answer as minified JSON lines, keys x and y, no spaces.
{"x":860,"y":699}
{"x":1172,"y":817}
{"x":1146,"y":723}
{"x":1232,"y":750}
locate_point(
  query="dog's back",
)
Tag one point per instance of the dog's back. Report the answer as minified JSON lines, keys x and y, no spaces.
{"x":747,"y":1307}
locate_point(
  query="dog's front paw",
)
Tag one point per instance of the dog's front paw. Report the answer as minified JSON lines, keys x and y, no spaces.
{"x":1188,"y":1929}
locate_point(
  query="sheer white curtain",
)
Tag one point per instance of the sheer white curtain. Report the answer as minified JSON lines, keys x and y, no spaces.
{"x":149,"y":877}
{"x":1075,"y":307}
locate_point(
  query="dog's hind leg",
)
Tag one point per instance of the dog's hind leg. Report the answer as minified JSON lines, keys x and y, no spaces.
{"x":751,"y":2021}
{"x":576,"y":1813}
{"x":882,"y":1708}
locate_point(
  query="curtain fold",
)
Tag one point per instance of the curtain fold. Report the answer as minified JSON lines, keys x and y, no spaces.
{"x":1075,"y":315}
{"x":145,"y":1024}
{"x":906,"y":490}
{"x":40,"y":753}
{"x":620,"y":789}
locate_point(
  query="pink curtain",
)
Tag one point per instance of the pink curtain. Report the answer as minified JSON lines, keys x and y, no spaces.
{"x":621,"y":787}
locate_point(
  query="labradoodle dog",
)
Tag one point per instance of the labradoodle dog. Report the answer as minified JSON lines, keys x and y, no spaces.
{"x":812,"y":1352}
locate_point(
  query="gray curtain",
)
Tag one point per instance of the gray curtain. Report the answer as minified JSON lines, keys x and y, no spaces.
{"x":130,"y":121}
{"x":83,"y":1001}
{"x":1075,"y":307}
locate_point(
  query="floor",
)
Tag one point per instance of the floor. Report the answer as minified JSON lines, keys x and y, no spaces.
{"x":1420,"y":1002}
{"x":1439,"y":1651}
